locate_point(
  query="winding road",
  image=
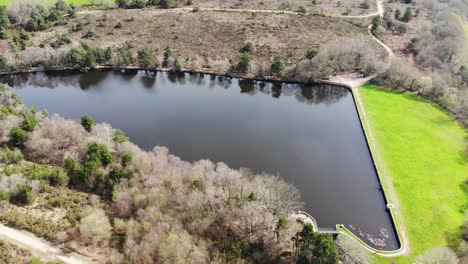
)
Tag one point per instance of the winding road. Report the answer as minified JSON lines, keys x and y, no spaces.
{"x":39,"y":247}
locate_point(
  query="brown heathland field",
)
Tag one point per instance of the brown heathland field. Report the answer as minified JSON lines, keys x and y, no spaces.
{"x":203,"y":36}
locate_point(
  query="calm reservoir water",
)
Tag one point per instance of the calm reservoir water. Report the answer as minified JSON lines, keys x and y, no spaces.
{"x":310,"y":135}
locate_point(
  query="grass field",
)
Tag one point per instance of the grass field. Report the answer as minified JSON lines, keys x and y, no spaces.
{"x":423,"y":150}
{"x":75,"y":2}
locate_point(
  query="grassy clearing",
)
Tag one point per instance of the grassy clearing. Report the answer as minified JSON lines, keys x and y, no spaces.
{"x":423,"y":151}
{"x":75,"y":2}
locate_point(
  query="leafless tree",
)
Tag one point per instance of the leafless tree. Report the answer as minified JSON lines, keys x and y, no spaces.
{"x":438,"y":255}
{"x":279,"y":197}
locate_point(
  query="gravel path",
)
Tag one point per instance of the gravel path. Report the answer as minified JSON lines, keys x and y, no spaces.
{"x":39,"y":247}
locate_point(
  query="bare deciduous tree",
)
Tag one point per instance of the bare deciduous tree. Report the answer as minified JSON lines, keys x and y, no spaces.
{"x":438,"y":255}
{"x":278,"y":196}
{"x":95,"y":226}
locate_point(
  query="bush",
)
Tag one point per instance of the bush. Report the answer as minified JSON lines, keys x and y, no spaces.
{"x":364,"y":5}
{"x":99,"y":153}
{"x":125,"y":57}
{"x":29,"y":122}
{"x":116,"y":175}
{"x":4,"y":196}
{"x":168,"y":56}
{"x":9,"y":156}
{"x":87,"y":122}
{"x":407,"y":15}
{"x":4,"y":66}
{"x":146,"y":58}
{"x":83,"y":59}
{"x":248,"y":47}
{"x":244,"y":63}
{"x":311,"y":53}
{"x":277,"y":67}
{"x":127,"y":158}
{"x":90,"y":34}
{"x":18,"y":136}
{"x":25,"y":195}
{"x":120,"y":137}
{"x":198,"y":184}
{"x":61,"y":41}
{"x":119,"y":25}
{"x":301,"y":10}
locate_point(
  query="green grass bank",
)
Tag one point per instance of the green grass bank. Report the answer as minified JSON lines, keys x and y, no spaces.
{"x":422,"y":155}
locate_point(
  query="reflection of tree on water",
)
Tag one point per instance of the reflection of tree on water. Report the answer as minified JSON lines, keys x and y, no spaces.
{"x":148,"y":78}
{"x":53,"y":80}
{"x":310,"y":94}
{"x":176,"y":77}
{"x":247,"y":86}
{"x":276,"y":89}
{"x":323,"y":93}
{"x":88,"y":80}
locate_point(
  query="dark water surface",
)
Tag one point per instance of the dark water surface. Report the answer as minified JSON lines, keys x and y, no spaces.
{"x":311,"y":135}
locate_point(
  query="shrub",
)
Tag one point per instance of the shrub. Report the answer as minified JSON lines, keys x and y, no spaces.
{"x":4,"y":66}
{"x":57,"y":202}
{"x":58,"y":177}
{"x":83,"y":59}
{"x":146,"y":58}
{"x":301,"y":10}
{"x":198,"y":184}
{"x":168,"y":57}
{"x":116,"y":175}
{"x":252,"y":197}
{"x":244,"y":63}
{"x":9,"y":156}
{"x":119,"y":25}
{"x":99,"y":153}
{"x":277,"y":67}
{"x":25,"y":195}
{"x":29,"y":122}
{"x":311,"y":53}
{"x":78,"y":26}
{"x":120,"y":137}
{"x":407,"y":15}
{"x":90,"y":34}
{"x":125,"y":57}
{"x":61,"y":41}
{"x":401,"y":29}
{"x":127,"y":158}
{"x":248,"y":47}
{"x":87,"y":122}
{"x":364,"y":5}
{"x":4,"y":196}
{"x":18,"y":136}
